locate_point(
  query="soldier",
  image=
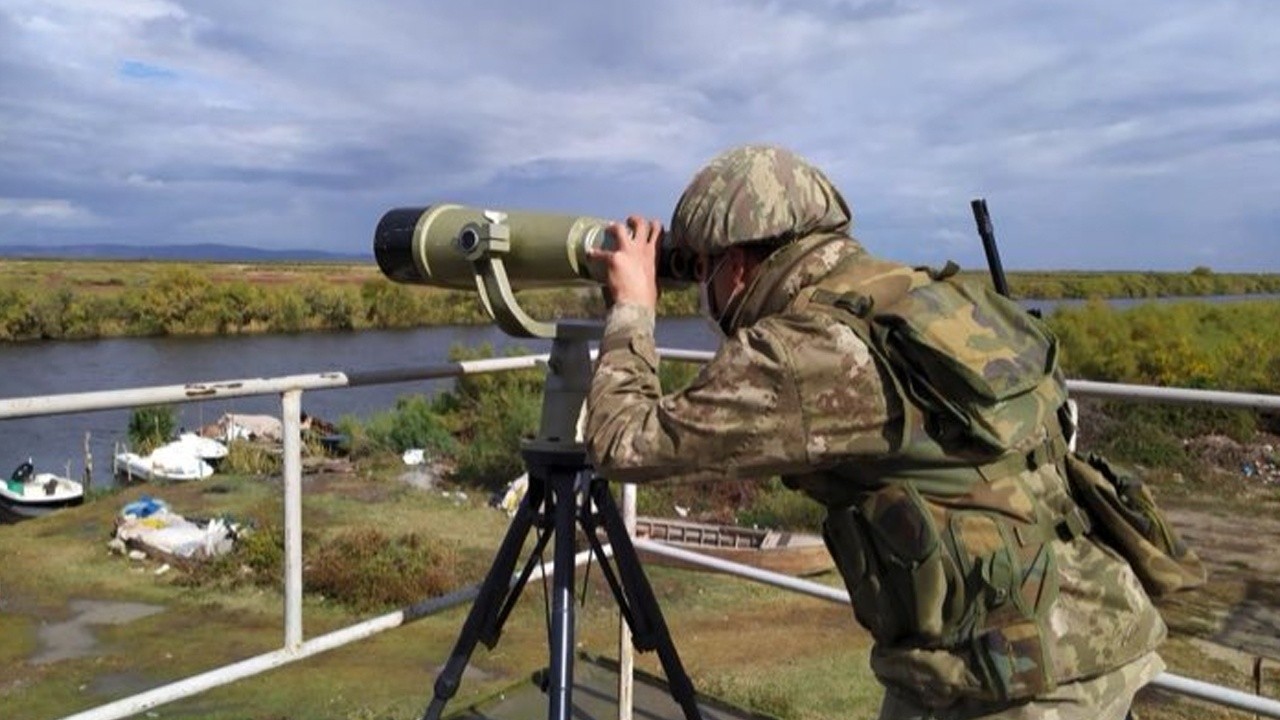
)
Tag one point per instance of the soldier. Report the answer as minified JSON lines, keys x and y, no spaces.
{"x":924,"y":414}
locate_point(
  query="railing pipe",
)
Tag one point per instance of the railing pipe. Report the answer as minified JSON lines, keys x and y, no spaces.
{"x":221,"y":389}
{"x":164,"y":394}
{"x":1181,"y":396}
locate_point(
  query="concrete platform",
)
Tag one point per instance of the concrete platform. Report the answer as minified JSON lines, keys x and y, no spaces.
{"x":595,"y":697}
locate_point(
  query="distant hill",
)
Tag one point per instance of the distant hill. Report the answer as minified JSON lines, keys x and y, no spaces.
{"x":207,"y":252}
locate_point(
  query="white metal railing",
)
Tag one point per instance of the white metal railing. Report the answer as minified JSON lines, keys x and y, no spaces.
{"x":290,"y":388}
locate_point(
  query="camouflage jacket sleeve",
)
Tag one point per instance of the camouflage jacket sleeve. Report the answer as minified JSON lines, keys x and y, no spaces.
{"x":788,"y":395}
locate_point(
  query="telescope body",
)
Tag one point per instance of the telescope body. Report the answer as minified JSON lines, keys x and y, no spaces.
{"x":443,"y":245}
{"x":439,"y":245}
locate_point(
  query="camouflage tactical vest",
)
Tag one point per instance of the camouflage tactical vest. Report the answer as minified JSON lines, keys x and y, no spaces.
{"x":947,"y":546}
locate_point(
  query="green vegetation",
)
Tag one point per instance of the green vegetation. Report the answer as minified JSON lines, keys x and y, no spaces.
{"x":250,"y":458}
{"x":66,"y":299}
{"x":1083,"y":285}
{"x":1224,"y":346}
{"x":150,"y":427}
{"x":1232,"y":346}
{"x":72,"y":299}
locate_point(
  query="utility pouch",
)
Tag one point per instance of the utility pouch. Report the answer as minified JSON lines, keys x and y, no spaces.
{"x":968,"y":577}
{"x":1124,"y":514}
{"x":846,"y":538}
{"x":1014,"y":660}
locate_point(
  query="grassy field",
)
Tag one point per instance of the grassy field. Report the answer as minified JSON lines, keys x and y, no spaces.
{"x":720,"y":624}
{"x":761,"y":648}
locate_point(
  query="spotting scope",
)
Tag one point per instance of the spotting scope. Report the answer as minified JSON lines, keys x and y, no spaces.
{"x":497,"y":252}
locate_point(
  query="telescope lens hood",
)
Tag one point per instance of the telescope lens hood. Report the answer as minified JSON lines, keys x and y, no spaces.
{"x":393,"y":244}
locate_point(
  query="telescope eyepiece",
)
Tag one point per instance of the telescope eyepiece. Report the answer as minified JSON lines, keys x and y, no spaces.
{"x":468,"y":240}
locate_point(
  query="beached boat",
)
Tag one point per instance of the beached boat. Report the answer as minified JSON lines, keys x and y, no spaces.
{"x":167,"y":463}
{"x":775,"y":550}
{"x":207,"y":449}
{"x":28,"y":493}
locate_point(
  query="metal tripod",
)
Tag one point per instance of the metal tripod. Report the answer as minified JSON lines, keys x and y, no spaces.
{"x":564,"y":494}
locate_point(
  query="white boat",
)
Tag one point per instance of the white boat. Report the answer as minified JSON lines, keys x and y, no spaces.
{"x":174,"y":462}
{"x":30,"y":494}
{"x":207,"y":449}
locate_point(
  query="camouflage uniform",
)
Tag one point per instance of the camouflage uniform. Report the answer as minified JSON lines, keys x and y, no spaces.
{"x":981,"y":604}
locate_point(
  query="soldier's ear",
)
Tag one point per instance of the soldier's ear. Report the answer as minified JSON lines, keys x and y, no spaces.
{"x":742,"y":265}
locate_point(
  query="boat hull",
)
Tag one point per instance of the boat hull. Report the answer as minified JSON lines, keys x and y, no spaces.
{"x":799,"y":554}
{"x":138,"y":468}
{"x":41,"y":495}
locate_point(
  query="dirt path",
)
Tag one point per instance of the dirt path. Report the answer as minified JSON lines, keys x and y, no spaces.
{"x":1240,"y":606}
{"x":73,"y":638}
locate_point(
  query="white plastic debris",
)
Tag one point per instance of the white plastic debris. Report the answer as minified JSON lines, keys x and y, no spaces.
{"x":514,"y":494}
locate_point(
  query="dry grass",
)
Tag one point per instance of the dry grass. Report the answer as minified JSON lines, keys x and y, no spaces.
{"x":115,"y":276}
{"x":759,"y":647}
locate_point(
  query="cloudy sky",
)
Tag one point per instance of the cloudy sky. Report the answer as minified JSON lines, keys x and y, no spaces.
{"x":1142,"y":134}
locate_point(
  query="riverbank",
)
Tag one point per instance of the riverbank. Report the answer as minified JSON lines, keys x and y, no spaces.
{"x":58,"y":572}
{"x":82,"y":299}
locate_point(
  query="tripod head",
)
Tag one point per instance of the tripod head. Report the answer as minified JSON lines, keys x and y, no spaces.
{"x":568,"y":381}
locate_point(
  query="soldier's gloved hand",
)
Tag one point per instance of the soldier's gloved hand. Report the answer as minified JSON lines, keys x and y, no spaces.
{"x":632,"y":268}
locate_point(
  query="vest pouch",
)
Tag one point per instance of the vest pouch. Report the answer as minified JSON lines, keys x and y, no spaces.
{"x":1013,"y":660}
{"x":1125,"y":515}
{"x":888,"y":551}
{"x":1011,"y":575}
{"x":846,"y":540}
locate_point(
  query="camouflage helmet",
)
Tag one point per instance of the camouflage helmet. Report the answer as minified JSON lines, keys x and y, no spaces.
{"x":756,"y":193}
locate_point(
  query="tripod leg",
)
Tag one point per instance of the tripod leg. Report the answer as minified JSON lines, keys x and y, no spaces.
{"x":485,"y":610}
{"x":560,"y":691}
{"x":645,"y":616}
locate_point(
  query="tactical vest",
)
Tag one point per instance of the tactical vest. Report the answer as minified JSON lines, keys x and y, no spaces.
{"x":946,"y":546}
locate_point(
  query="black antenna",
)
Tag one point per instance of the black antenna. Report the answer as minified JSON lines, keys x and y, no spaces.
{"x":983,"y":218}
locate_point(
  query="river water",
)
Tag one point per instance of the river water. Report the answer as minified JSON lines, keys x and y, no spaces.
{"x":56,"y":444}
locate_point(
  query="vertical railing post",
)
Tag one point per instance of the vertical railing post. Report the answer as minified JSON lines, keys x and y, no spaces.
{"x":626,"y":652}
{"x":291,"y":402}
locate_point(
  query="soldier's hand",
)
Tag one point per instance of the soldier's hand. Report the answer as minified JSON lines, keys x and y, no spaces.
{"x":632,"y":268}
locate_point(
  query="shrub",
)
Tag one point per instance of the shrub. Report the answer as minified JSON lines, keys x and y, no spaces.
{"x":150,"y":427}
{"x":365,"y":569}
{"x":249,"y":458}
{"x":777,"y":506}
{"x":414,"y":423}
{"x":489,"y":414}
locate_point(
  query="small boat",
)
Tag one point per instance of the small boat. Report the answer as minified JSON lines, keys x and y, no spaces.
{"x":778,"y":551}
{"x":29,"y":494}
{"x":174,"y":462}
{"x":207,"y":449}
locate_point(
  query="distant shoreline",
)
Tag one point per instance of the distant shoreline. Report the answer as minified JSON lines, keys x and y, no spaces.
{"x":69,"y":299}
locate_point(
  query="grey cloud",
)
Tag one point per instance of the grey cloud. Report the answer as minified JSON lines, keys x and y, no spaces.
{"x":1088,"y":124}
